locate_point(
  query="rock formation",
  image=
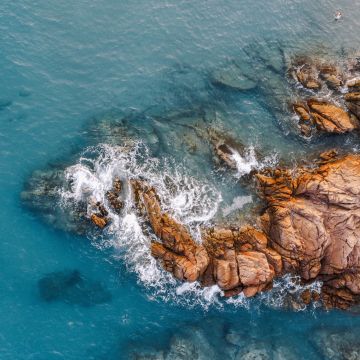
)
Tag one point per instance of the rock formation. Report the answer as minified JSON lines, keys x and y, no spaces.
{"x":337,"y":115}
{"x":311,"y":227}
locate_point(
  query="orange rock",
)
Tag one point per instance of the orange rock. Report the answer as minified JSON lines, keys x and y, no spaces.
{"x":99,"y":221}
{"x":331,"y":118}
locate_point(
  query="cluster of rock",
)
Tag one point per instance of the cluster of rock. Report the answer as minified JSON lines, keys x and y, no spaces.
{"x":99,"y":216}
{"x":310,"y":228}
{"x":341,"y":113}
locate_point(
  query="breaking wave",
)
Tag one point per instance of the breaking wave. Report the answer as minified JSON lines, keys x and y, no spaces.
{"x":248,"y":161}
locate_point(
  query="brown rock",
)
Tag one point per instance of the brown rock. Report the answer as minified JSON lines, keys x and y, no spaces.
{"x":177,"y":251}
{"x":331,"y":118}
{"x":307,"y":76}
{"x":99,"y":221}
{"x":353,"y":97}
{"x":302,"y":111}
{"x":353,"y":83}
{"x":306,"y":296}
{"x":254,"y":271}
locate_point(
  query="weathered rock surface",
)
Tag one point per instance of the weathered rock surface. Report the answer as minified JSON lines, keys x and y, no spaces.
{"x":331,"y":118}
{"x":311,"y":227}
{"x":307,"y":75}
{"x":114,"y":194}
{"x":313,"y":223}
{"x":326,"y":117}
{"x":177,"y":251}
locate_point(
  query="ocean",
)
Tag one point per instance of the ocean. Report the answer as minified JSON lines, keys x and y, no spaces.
{"x":95,"y":88}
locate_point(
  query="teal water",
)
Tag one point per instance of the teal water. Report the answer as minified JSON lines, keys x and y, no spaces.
{"x":65,"y":67}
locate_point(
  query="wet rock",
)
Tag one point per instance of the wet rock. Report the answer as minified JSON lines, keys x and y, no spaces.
{"x":99,"y":221}
{"x":235,"y":75}
{"x":353,"y":103}
{"x":353,"y":83}
{"x":70,"y":286}
{"x":226,"y":154}
{"x":337,"y":343}
{"x":307,"y":75}
{"x":177,"y":251}
{"x":190,"y":345}
{"x":254,"y":351}
{"x":113,"y":196}
{"x":41,"y":195}
{"x":303,"y":112}
{"x":332,"y":76}
{"x":331,"y":118}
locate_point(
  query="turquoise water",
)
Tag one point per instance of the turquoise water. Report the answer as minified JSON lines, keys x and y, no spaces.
{"x":68,"y":66}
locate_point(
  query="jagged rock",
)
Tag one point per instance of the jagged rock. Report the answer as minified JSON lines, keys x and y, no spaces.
{"x":303,"y":112}
{"x":312,"y":221}
{"x":353,"y":103}
{"x":99,"y":221}
{"x":331,"y":75}
{"x":352,"y":97}
{"x":331,"y":118}
{"x":178,"y":252}
{"x":113,"y":196}
{"x":306,"y":74}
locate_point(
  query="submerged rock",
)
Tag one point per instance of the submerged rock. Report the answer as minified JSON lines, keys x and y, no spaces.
{"x":71,"y":287}
{"x":236,"y":75}
{"x":337,"y":343}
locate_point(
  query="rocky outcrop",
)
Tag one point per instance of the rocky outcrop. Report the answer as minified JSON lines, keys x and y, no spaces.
{"x":311,"y":227}
{"x":329,"y":112}
{"x":235,"y":259}
{"x":325,"y":116}
{"x":99,"y":218}
{"x":313,"y":223}
{"x":177,"y":251}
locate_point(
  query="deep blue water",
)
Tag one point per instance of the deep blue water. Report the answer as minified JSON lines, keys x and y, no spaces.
{"x":66,"y":64}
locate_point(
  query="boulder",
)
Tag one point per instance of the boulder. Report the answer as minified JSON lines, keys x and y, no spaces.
{"x":307,"y":75}
{"x":331,"y":118}
{"x":312,"y":221}
{"x":99,"y":220}
{"x":353,"y":83}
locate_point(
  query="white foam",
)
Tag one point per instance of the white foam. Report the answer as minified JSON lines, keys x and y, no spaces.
{"x":248,"y":161}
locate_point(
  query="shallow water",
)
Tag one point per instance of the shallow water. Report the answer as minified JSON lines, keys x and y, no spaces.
{"x":67,"y":67}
